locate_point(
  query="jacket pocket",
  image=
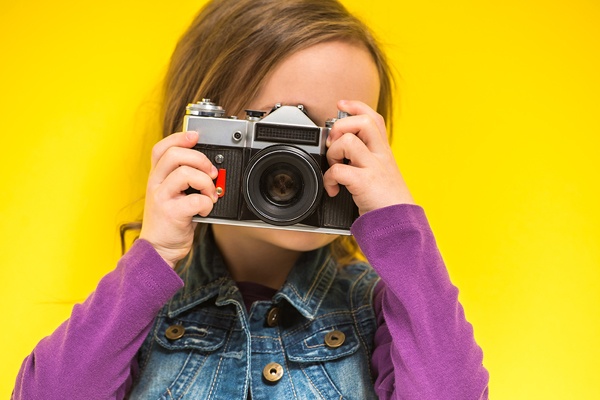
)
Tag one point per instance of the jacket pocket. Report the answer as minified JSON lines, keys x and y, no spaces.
{"x":327,"y":344}
{"x":329,"y":367}
{"x":199,"y":331}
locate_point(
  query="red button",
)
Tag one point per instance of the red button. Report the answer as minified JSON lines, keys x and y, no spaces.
{"x":220,"y":182}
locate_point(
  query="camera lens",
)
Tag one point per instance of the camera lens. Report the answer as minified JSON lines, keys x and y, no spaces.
{"x":282,"y":185}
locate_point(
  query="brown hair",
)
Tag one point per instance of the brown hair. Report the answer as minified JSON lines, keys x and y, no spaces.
{"x":232,"y":45}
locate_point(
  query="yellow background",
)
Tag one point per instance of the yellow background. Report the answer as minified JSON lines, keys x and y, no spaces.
{"x":497,"y":135}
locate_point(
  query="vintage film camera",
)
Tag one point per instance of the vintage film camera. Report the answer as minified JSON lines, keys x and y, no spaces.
{"x":270,"y":169}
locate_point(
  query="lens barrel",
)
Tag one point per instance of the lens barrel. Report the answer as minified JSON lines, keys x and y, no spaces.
{"x":282,"y":185}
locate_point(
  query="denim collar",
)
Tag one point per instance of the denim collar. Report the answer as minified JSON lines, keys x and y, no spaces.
{"x":207,"y":277}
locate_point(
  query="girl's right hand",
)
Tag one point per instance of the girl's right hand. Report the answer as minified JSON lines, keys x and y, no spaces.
{"x":168,"y":210}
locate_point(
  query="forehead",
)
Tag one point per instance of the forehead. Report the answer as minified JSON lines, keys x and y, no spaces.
{"x":319,"y":76}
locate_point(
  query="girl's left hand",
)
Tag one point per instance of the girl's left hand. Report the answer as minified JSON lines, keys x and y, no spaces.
{"x":371,"y":174}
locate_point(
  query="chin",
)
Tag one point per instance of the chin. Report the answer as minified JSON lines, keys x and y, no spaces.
{"x":296,"y":240}
{"x":284,"y":239}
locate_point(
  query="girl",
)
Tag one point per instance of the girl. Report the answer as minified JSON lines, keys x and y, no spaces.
{"x":262,"y":313}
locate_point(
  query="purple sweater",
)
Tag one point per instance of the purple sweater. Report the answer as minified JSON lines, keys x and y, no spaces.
{"x":424,"y":347}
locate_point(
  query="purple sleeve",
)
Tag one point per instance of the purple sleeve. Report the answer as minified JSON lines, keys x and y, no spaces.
{"x":90,"y":355}
{"x":424,"y":347}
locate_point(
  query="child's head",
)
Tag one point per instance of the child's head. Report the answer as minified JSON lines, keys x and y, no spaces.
{"x":232,"y":45}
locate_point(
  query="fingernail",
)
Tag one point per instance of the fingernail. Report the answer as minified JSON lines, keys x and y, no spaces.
{"x":214,"y":172}
{"x":192,"y":136}
{"x":328,"y":142}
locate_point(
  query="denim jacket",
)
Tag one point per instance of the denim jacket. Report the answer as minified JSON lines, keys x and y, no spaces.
{"x":313,"y":340}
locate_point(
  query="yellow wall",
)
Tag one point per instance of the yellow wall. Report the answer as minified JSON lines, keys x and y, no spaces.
{"x":497,"y":135}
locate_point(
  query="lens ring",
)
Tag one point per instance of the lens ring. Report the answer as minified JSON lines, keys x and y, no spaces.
{"x":300,"y":179}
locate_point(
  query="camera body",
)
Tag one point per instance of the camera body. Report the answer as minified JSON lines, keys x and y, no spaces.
{"x":270,"y":169}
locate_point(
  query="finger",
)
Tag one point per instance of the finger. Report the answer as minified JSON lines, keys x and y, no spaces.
{"x":184,"y":178}
{"x":340,"y":174}
{"x":354,"y":107}
{"x":349,"y":147}
{"x":180,"y":139}
{"x":364,"y":127}
{"x":175,"y":157}
{"x":196,"y":203}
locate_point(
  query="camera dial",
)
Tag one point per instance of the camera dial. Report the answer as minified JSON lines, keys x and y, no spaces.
{"x":341,"y":114}
{"x":205,"y":108}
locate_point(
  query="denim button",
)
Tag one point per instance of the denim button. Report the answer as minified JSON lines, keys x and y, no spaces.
{"x":334,"y":339}
{"x":273,"y":317}
{"x":273,"y":372}
{"x":174,"y":332}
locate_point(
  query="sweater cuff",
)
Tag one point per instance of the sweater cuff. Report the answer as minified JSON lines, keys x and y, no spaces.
{"x":150,"y":268}
{"x":378,"y":222}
